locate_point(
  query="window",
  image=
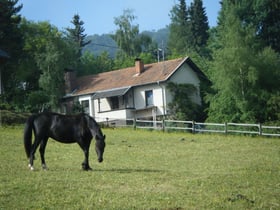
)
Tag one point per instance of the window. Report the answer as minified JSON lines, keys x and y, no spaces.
{"x":85,"y":105}
{"x":114,"y":102}
{"x":149,"y":98}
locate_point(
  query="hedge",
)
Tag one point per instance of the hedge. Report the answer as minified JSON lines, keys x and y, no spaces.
{"x":12,"y":118}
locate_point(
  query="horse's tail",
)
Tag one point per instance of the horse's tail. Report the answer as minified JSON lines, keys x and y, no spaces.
{"x":28,"y":135}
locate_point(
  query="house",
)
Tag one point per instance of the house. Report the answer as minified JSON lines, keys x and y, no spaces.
{"x":136,"y":92}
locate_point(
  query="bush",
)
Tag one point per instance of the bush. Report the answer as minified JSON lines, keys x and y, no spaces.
{"x":12,"y":118}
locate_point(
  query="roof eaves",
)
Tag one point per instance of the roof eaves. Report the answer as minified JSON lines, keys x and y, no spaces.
{"x":180,"y":64}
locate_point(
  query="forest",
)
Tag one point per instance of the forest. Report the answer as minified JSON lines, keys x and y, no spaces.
{"x":240,"y":56}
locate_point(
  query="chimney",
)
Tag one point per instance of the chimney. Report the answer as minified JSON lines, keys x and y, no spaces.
{"x":70,"y":79}
{"x":139,"y":66}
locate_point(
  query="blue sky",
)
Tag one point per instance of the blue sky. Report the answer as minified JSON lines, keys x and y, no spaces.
{"x":98,"y":16}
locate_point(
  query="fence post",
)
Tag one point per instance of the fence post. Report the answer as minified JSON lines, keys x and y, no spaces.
{"x":163,"y":125}
{"x":260,"y":129}
{"x":193,"y":126}
{"x":134,"y":123}
{"x":226,"y":128}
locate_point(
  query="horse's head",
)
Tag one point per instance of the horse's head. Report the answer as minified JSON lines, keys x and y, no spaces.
{"x":98,"y":135}
{"x":100,"y":146}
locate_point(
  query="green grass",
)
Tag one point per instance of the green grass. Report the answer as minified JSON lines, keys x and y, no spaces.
{"x":144,"y":170}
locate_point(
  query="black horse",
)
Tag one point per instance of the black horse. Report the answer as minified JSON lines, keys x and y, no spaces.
{"x":79,"y":128}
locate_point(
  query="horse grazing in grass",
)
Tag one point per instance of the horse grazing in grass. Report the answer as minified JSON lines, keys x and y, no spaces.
{"x":79,"y":128}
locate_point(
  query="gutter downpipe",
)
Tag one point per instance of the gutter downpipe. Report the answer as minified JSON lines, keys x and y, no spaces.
{"x":163,"y":98}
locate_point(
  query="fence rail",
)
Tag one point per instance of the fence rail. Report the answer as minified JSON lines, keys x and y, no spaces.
{"x":195,"y":127}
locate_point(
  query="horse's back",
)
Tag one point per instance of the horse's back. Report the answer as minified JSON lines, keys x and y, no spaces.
{"x":63,"y":128}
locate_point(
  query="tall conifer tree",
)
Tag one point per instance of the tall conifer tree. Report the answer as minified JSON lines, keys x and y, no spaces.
{"x":198,"y":26}
{"x":77,"y":35}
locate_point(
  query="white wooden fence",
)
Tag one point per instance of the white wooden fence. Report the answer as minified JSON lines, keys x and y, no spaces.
{"x":195,"y":127}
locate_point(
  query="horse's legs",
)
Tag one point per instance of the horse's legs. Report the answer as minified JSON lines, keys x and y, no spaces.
{"x":33,"y":150}
{"x":42,"y":152}
{"x":85,"y":148}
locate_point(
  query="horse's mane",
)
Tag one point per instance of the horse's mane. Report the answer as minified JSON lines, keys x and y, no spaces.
{"x":93,"y":125}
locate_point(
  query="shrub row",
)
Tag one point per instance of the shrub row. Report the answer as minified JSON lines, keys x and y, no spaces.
{"x":12,"y":118}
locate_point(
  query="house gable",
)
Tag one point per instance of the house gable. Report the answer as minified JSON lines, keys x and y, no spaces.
{"x":185,"y":75}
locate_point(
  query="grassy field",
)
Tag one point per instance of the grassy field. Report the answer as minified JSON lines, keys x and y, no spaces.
{"x":144,"y":170}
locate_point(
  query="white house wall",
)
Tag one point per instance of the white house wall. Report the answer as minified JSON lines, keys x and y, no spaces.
{"x":139,"y":97}
{"x":103,"y":110}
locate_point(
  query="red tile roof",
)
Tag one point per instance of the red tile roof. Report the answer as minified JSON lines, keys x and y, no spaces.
{"x":128,"y":77}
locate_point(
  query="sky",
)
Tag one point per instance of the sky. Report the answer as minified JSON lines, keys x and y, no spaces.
{"x":98,"y":15}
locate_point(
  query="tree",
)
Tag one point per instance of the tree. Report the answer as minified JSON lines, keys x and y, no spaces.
{"x":179,"y":36}
{"x":188,"y":29}
{"x":91,"y":64}
{"x":10,"y":42}
{"x":10,"y":37}
{"x":268,"y":21}
{"x":52,"y":67}
{"x":127,"y":35}
{"x":245,"y":74}
{"x":46,"y":53}
{"x":198,"y":27}
{"x":264,"y":16}
{"x":77,"y":36}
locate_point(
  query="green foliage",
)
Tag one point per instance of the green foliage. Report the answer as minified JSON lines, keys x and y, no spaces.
{"x":245,"y":75}
{"x":8,"y":118}
{"x":91,"y":64}
{"x":182,"y":106}
{"x":144,"y":170}
{"x":36,"y":101}
{"x":46,"y":53}
{"x":179,"y":35}
{"x":76,"y":35}
{"x":11,"y":42}
{"x":188,"y":29}
{"x":127,"y":35}
{"x":10,"y":38}
{"x":199,"y":27}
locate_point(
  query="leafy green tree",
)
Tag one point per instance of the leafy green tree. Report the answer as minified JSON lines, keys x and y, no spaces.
{"x":46,"y":53}
{"x":245,"y":75}
{"x":179,"y":36}
{"x":52,"y":68}
{"x":91,"y":64}
{"x":264,"y":16}
{"x":127,"y":35}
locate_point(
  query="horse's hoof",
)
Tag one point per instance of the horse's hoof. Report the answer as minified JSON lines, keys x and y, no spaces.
{"x":44,"y":167}
{"x":31,"y":167}
{"x":87,"y":168}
